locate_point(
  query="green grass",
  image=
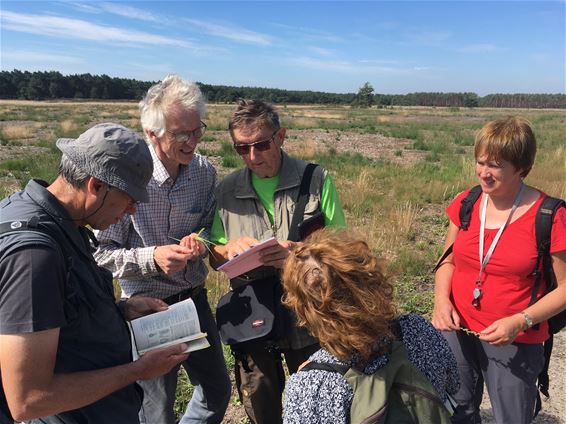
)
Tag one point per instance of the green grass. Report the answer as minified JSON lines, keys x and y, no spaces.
{"x":399,"y":209}
{"x":230,"y":159}
{"x":43,"y":167}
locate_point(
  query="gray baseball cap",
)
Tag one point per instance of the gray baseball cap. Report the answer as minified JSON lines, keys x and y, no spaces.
{"x":115,"y":155}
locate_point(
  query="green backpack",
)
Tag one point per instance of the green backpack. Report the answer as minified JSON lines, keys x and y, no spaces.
{"x":396,"y":393}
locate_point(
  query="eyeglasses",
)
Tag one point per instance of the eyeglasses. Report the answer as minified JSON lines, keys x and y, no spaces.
{"x":131,"y":202}
{"x":183,"y":137}
{"x":262,"y":146}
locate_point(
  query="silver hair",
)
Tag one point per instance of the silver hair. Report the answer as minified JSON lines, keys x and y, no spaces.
{"x":173,"y":89}
{"x":71,"y":173}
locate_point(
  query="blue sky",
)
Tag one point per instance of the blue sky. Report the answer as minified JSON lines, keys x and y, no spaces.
{"x":334,"y":46}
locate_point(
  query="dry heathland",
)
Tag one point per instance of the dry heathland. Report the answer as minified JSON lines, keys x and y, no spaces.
{"x":396,"y":169}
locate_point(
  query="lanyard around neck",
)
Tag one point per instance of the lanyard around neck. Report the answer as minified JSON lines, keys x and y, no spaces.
{"x":485,"y":259}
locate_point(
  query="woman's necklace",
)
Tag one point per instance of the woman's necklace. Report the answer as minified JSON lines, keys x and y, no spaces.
{"x":478,"y":293}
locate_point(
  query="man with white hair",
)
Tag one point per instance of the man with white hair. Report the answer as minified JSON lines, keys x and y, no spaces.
{"x":141,"y":252}
{"x":65,"y":350}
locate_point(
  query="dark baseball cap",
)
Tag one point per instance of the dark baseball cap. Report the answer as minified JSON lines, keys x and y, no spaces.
{"x":115,"y":155}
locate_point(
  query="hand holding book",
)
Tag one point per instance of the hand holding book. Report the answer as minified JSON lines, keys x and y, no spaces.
{"x":178,"y":324}
{"x":249,"y":259}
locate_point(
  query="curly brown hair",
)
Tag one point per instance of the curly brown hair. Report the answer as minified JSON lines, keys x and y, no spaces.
{"x":337,"y":288}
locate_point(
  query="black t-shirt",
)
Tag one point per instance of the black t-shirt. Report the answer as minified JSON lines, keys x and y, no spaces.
{"x":25,"y":307}
{"x":32,"y":281}
{"x":55,"y":282}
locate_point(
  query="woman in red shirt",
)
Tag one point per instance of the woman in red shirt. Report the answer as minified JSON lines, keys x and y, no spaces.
{"x":483,"y":289}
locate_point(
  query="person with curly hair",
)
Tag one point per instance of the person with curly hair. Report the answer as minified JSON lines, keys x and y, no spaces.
{"x":337,"y":288}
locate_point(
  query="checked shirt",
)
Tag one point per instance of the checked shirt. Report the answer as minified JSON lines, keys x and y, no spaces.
{"x":175,"y":209}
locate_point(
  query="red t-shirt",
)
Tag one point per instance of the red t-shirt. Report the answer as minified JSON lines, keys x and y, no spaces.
{"x":507,"y":283}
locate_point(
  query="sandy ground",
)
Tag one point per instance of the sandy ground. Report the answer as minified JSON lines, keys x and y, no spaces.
{"x":554,"y":408}
{"x":377,"y":146}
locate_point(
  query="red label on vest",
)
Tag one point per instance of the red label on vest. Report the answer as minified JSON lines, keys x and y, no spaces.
{"x":257,"y":323}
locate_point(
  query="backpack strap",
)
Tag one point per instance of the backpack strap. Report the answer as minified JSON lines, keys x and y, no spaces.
{"x":468,"y":206}
{"x":304,"y":191}
{"x":543,"y":269}
{"x":338,"y":368}
{"x":543,"y":228}
{"x":10,"y":226}
{"x":33,"y":226}
{"x":444,"y":256}
{"x":465,"y":214}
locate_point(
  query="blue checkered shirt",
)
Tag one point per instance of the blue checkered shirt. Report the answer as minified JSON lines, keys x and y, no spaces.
{"x":175,"y":209}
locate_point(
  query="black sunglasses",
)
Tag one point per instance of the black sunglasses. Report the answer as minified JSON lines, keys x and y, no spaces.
{"x":262,"y":146}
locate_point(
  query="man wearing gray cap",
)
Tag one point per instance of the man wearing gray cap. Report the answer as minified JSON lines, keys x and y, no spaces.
{"x":143,"y":255}
{"x":65,"y":351}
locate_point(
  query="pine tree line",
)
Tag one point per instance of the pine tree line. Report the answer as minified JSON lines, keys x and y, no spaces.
{"x":53,"y":85}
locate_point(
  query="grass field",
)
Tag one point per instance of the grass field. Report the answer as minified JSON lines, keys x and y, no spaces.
{"x":396,"y":168}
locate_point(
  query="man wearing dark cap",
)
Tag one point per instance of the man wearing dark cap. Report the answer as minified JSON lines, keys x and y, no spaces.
{"x":65,"y":351}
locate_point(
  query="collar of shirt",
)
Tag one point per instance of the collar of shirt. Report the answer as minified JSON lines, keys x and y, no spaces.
{"x":160,"y":174}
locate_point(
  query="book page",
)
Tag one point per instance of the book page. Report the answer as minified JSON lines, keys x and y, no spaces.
{"x":177,"y":324}
{"x":247,"y":260}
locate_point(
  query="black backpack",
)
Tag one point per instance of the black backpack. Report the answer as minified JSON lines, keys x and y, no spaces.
{"x":543,"y":268}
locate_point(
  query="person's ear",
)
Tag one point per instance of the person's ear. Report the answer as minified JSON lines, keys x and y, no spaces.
{"x":151,"y":135}
{"x":95,"y":186}
{"x":280,"y":136}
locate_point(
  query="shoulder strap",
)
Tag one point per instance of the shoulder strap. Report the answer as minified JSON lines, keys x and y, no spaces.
{"x":444,"y":256}
{"x":465,"y":214}
{"x":467,"y":206}
{"x":9,"y":226}
{"x":543,"y":228}
{"x":33,"y":226}
{"x":340,"y":369}
{"x":302,"y":199}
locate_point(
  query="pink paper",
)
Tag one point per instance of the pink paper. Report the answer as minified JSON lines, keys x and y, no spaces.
{"x":247,"y":260}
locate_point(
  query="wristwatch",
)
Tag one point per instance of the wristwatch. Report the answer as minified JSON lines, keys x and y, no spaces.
{"x":528,"y":319}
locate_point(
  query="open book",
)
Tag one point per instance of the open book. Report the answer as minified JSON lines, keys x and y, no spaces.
{"x":246,"y":261}
{"x":178,"y":324}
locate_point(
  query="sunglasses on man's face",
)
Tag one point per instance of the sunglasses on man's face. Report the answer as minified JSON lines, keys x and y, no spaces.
{"x":261,"y":146}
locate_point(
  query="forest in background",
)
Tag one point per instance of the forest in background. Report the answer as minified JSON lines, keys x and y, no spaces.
{"x":51,"y":85}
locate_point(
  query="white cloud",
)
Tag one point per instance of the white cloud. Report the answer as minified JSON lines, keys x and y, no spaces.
{"x":129,"y":12}
{"x":322,"y":51}
{"x":478,"y":48}
{"x":81,"y":6}
{"x":364,"y":67}
{"x":311,"y":34}
{"x":380,"y":61}
{"x":78,"y":29}
{"x":341,"y":66}
{"x":428,"y":37}
{"x":39,"y":57}
{"x":233,"y":33}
